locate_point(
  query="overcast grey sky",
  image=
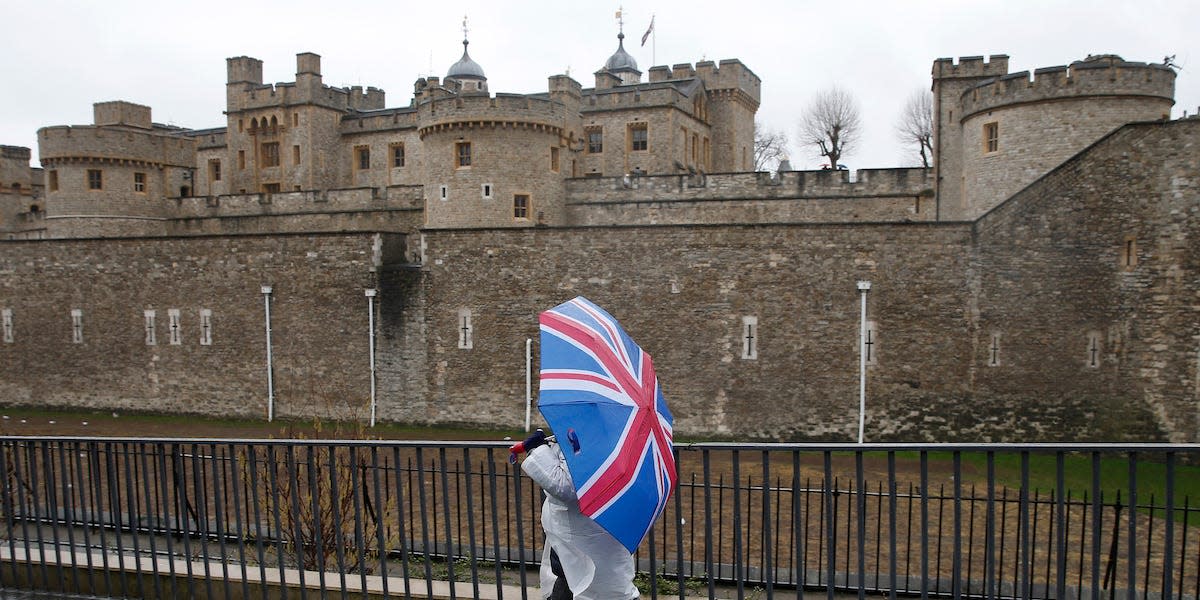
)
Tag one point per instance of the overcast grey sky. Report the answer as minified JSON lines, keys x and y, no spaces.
{"x":57,"y":58}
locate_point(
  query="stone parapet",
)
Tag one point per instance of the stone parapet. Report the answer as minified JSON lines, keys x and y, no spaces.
{"x":1105,"y":76}
{"x":401,"y":197}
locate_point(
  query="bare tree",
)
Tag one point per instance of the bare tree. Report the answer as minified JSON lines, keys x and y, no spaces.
{"x":916,"y":125}
{"x":832,"y":124}
{"x":770,"y":147}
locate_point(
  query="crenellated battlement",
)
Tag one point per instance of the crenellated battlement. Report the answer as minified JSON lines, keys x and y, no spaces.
{"x":365,"y":199}
{"x":1095,"y":76}
{"x":905,"y":182}
{"x":995,"y":65}
{"x":876,"y":195}
{"x":246,"y":90}
{"x":101,"y":143}
{"x":503,"y":110}
{"x":729,"y":74}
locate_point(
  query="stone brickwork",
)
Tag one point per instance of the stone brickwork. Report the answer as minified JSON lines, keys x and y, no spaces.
{"x":319,"y":324}
{"x":1104,"y":245}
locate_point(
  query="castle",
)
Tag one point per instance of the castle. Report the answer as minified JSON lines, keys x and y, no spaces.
{"x":323,"y":254}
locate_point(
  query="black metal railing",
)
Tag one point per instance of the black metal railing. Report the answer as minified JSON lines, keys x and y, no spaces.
{"x":239,"y":518}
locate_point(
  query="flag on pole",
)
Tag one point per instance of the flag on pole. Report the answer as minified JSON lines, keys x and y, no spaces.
{"x":649,"y":30}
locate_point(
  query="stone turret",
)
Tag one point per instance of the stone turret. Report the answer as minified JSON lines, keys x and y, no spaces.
{"x":997,"y":132}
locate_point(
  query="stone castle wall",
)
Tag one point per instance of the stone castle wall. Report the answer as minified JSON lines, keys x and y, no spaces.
{"x":319,"y":323}
{"x":1103,"y":246}
{"x":876,"y":195}
{"x":682,"y":292}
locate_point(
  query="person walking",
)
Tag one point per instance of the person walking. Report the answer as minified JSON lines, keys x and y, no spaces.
{"x":581,"y":560}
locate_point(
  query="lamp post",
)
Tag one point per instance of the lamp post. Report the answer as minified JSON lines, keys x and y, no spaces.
{"x":863,"y":288}
{"x":371,"y":337}
{"x":266,"y":292}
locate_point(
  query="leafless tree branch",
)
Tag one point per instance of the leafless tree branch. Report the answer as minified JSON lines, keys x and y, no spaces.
{"x":832,"y":123}
{"x":915,"y":127}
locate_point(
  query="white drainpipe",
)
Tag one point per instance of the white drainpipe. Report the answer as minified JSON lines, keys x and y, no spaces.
{"x":371,"y":337}
{"x":266,"y":292}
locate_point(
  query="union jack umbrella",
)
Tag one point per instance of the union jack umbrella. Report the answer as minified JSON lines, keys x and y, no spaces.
{"x":600,"y":396}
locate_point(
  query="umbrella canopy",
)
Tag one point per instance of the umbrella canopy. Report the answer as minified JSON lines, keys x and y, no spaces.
{"x":601,"y":397}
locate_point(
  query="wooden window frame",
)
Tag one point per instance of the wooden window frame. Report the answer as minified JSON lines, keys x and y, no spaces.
{"x":522,"y":209}
{"x":95,"y":180}
{"x":362,"y":158}
{"x":270,"y":155}
{"x":397,"y":155}
{"x":595,"y":146}
{"x":139,"y":182}
{"x":634,"y":142}
{"x":462,"y":155}
{"x":991,"y":137}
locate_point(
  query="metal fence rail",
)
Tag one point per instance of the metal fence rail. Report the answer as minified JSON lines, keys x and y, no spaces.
{"x":143,"y":517}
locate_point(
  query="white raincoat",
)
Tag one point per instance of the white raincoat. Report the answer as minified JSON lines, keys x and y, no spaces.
{"x":596,"y":565}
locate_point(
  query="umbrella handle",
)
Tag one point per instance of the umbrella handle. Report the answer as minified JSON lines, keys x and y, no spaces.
{"x":519,"y":448}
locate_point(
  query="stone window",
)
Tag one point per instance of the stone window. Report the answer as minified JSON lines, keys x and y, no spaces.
{"x":95,"y":179}
{"x":271,"y":188}
{"x":1129,"y":258}
{"x":241,"y":159}
{"x":707,"y":155}
{"x":76,"y":326}
{"x":444,"y":192}
{"x":241,"y":125}
{"x":462,"y":154}
{"x":6,"y":316}
{"x":554,"y":159}
{"x":466,"y":339}
{"x":595,"y":140}
{"x":205,"y":327}
{"x":173,"y":326}
{"x":214,"y":170}
{"x":991,"y":137}
{"x":695,"y":149}
{"x":397,"y":155}
{"x":993,"y":350}
{"x":749,"y":338}
{"x":486,"y":191}
{"x":362,"y":158}
{"x":871,"y":343}
{"x":139,"y":183}
{"x":296,"y":154}
{"x":295,"y":119}
{"x":1094,"y":350}
{"x":149,"y":327}
{"x":521,"y":206}
{"x":270,"y":154}
{"x":52,"y":180}
{"x":639,"y":138}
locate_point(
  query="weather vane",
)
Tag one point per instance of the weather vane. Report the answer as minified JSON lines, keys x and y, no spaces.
{"x":465,"y":29}
{"x":620,"y":21}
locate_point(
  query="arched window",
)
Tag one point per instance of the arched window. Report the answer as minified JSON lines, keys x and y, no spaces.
{"x":274,"y":124}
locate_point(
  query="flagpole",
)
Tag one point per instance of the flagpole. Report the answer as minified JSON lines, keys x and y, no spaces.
{"x":653,"y":43}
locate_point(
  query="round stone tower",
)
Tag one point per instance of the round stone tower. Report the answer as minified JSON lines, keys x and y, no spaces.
{"x":492,"y":161}
{"x":112,"y":178}
{"x":1008,"y":130}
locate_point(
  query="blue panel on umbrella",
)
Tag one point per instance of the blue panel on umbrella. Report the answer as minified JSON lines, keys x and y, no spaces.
{"x":596,"y":382}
